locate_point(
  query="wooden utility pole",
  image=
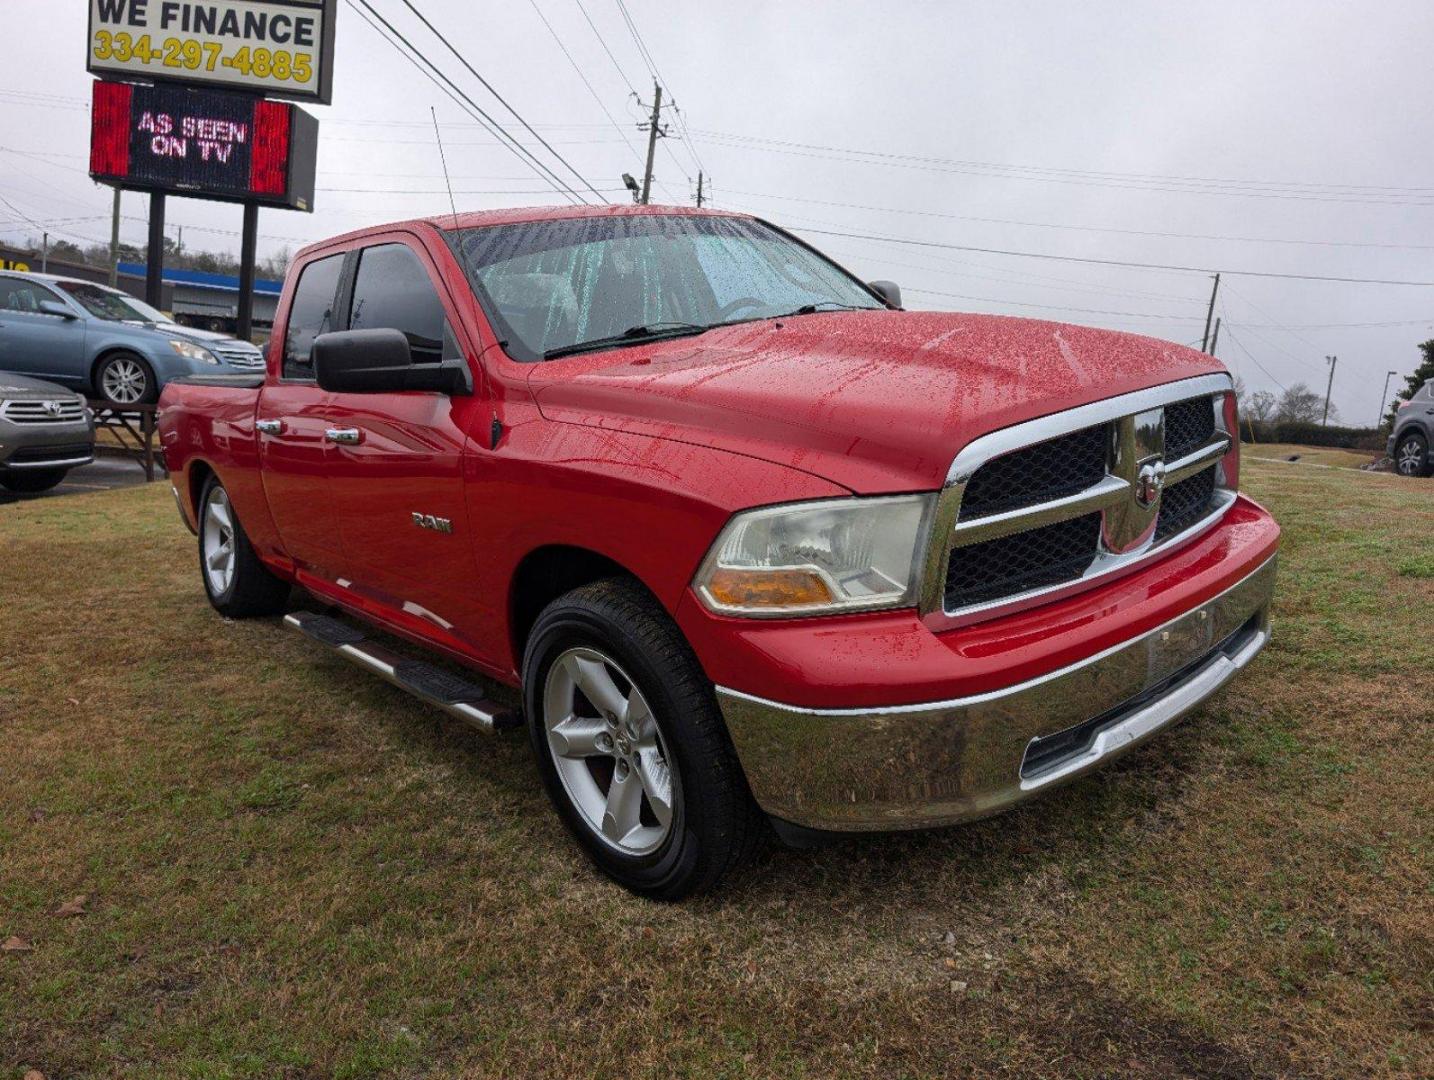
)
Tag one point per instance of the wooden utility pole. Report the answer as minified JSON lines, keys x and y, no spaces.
{"x":654,"y":132}
{"x":114,"y":242}
{"x":699,"y":189}
{"x":1209,"y":314}
{"x":1215,"y":337}
{"x":1332,"y":361}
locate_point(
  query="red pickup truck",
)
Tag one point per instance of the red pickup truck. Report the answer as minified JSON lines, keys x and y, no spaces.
{"x":760,"y":548}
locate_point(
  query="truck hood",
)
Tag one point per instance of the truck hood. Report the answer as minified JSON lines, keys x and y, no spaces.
{"x":877,"y":401}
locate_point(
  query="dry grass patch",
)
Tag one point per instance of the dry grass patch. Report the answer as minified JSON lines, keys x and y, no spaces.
{"x":293,"y":870}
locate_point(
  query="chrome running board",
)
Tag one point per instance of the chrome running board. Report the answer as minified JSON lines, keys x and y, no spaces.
{"x":433,"y":685}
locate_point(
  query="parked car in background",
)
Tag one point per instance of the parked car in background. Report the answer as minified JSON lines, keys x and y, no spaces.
{"x":45,"y":431}
{"x":103,"y":341}
{"x":1413,"y":434}
{"x":752,"y":541}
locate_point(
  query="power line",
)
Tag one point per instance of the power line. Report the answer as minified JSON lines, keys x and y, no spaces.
{"x":502,"y":100}
{"x":1230,"y":333}
{"x":1117,"y":262}
{"x":657,"y":76}
{"x":1060,"y":307}
{"x":539,"y":12}
{"x":1336,"y":193}
{"x":1081,"y":228}
{"x":460,"y":98}
{"x":603,"y":42}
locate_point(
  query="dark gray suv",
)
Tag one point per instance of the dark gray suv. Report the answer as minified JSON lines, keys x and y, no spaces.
{"x":1413,"y":433}
{"x":45,"y":431}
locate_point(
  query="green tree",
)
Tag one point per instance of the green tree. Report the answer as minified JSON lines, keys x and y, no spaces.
{"x":1422,"y":374}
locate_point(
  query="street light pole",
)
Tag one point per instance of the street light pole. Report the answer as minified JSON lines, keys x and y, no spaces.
{"x":1384,"y":397}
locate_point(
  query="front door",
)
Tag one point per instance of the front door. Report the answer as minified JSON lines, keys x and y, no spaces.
{"x":292,"y":423}
{"x":33,"y":342}
{"x":397,"y":481}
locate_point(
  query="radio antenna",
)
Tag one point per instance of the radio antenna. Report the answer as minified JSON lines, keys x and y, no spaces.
{"x":442,"y":157}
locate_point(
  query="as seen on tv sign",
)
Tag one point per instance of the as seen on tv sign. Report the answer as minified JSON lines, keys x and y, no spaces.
{"x":282,"y":48}
{"x":209,"y":143}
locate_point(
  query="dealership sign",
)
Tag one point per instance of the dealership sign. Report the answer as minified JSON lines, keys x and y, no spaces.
{"x":211,"y":143}
{"x":283,"y":48}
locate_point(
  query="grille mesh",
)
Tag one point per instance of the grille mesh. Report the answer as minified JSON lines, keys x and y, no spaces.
{"x":1189,"y":425}
{"x":1184,"y":504}
{"x":1012,"y":564}
{"x":1048,"y":470}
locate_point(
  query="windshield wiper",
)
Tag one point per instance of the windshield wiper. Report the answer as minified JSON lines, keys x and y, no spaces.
{"x":833,"y":305}
{"x":633,"y":335}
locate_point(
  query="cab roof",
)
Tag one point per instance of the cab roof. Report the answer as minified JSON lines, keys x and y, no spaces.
{"x":513,"y":215}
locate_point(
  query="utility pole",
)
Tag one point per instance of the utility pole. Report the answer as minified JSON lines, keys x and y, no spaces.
{"x":699,"y":189}
{"x":1215,"y":337}
{"x":1332,"y":361}
{"x":45,"y":253}
{"x":1384,"y":397}
{"x":114,"y":242}
{"x":654,"y":132}
{"x":1210,"y":314}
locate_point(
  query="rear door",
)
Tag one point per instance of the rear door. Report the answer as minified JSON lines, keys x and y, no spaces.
{"x":398,"y":480}
{"x":292,"y":417}
{"x":34,"y":343}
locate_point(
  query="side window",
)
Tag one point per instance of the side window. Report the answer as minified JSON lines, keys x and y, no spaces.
{"x":311,"y":314}
{"x":17,"y":294}
{"x":393,"y":291}
{"x":1426,"y":392}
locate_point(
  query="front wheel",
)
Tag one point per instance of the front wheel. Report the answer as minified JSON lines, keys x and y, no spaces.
{"x":1411,"y":456}
{"x":124,"y":379}
{"x":630,"y":744}
{"x":237,"y":583}
{"x":32,"y":480}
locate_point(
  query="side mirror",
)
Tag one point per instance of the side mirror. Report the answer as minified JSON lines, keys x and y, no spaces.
{"x":888,"y":291}
{"x":380,"y":361}
{"x":54,"y":307}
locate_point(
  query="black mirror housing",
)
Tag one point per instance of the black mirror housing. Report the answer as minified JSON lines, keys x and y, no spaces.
{"x":889,"y":291}
{"x":380,"y":361}
{"x":53,"y":307}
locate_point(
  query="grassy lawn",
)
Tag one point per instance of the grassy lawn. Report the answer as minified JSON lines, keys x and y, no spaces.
{"x":1316,"y":455}
{"x":290,"y":869}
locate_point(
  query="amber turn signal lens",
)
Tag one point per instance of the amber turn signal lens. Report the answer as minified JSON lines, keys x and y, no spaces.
{"x":767,"y":588}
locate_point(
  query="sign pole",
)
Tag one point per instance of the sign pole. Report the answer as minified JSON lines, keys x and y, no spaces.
{"x":154,"y":266}
{"x":248,"y":252}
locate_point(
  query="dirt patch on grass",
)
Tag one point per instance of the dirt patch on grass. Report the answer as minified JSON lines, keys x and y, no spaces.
{"x":295,"y":871}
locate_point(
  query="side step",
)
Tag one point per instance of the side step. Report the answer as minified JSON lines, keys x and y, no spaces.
{"x":427,"y":682}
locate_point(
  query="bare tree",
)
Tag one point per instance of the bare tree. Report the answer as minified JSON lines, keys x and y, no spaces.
{"x":1299,"y":404}
{"x":1262,"y":405}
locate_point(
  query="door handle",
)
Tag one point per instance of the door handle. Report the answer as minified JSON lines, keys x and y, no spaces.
{"x":270,"y":427}
{"x":344,"y":436}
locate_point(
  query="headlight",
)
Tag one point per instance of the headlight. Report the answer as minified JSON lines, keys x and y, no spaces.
{"x":191,"y":351}
{"x":817,"y":557}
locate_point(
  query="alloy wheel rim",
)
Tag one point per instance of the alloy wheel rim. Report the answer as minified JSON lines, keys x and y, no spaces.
{"x":1409,"y":455}
{"x":609,"y":752}
{"x":218,"y":542}
{"x":124,"y":381}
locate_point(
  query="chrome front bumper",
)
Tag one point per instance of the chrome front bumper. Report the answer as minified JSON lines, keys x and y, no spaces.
{"x":914,"y":766}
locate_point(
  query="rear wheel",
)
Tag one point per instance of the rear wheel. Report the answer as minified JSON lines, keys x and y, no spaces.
{"x":237,"y":583}
{"x":32,"y":480}
{"x":630,"y":744}
{"x":1411,"y":456}
{"x":125,"y":379}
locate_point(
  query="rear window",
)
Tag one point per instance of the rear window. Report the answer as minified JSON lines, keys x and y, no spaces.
{"x":311,"y":314}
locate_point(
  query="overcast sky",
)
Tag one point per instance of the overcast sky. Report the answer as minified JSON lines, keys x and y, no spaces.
{"x":1092,"y":130}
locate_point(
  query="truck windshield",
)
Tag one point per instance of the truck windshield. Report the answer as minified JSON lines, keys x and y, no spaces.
{"x":554,"y":287}
{"x":111,"y":306}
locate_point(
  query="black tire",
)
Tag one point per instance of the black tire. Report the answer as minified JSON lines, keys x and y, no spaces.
{"x":252,"y":590}
{"x":148,"y":396}
{"x":1411,"y":456}
{"x":715,"y":823}
{"x":32,"y":480}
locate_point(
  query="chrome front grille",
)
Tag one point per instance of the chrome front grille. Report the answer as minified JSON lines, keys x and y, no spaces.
{"x":54,"y":411}
{"x":240,"y":358}
{"x":1037,"y":510}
